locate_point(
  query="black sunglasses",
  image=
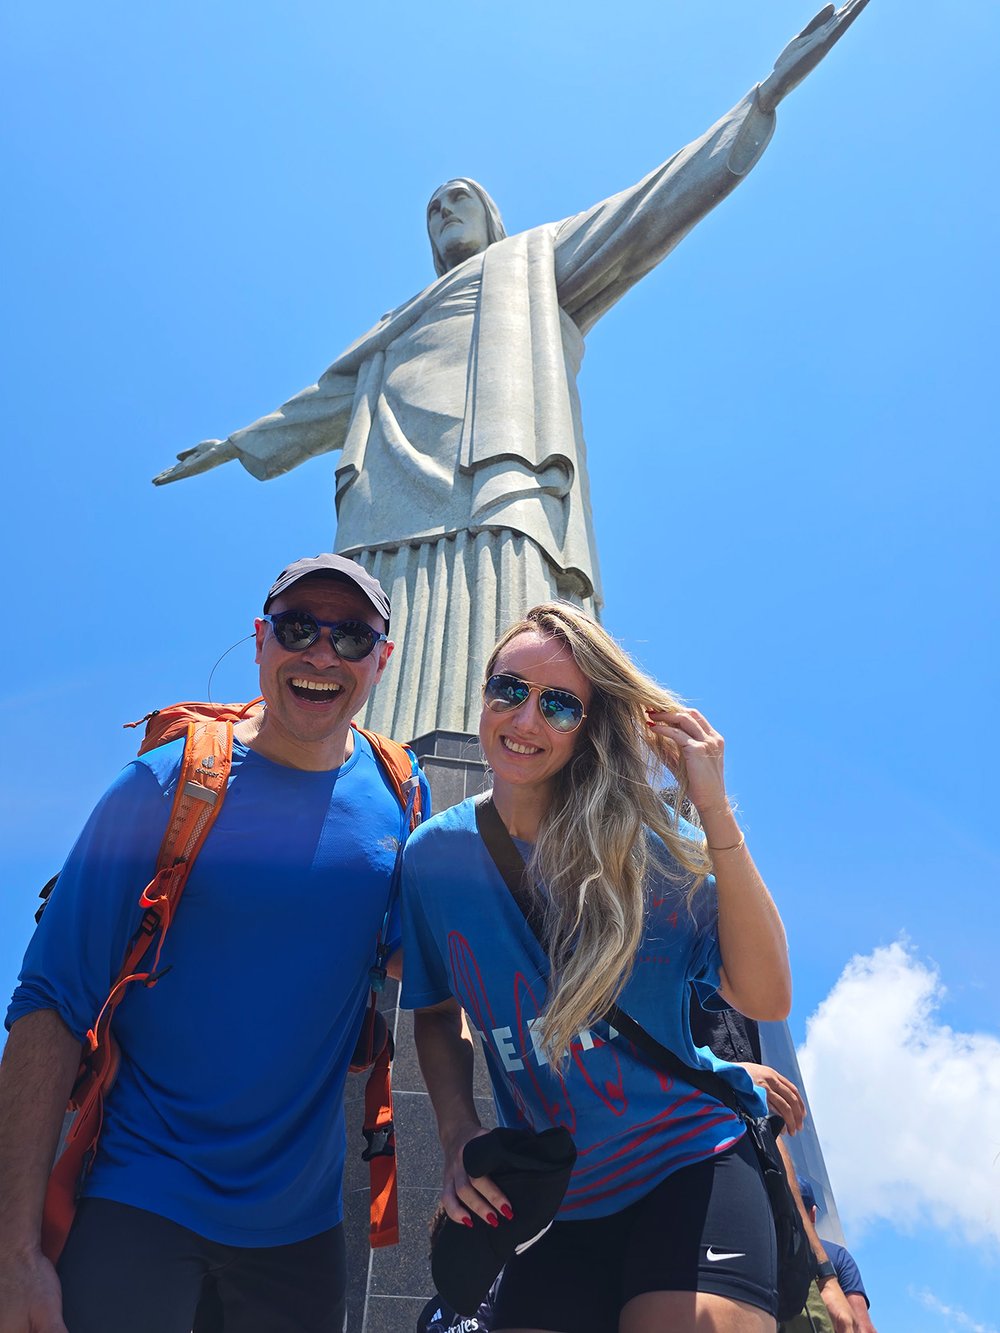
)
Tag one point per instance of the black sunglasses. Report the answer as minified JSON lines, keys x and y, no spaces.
{"x":352,"y":640}
{"x":560,"y":709}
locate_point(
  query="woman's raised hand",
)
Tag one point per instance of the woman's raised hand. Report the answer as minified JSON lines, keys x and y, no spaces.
{"x":692,"y":748}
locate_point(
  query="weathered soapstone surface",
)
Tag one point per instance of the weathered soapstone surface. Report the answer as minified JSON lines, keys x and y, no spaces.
{"x":462,"y":482}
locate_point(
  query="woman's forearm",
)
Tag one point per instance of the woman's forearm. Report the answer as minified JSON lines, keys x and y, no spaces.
{"x":755,"y":976}
{"x":757,"y":979}
{"x":446,"y":1054}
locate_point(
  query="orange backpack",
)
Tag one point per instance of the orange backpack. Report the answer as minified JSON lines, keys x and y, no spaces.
{"x":201,"y":789}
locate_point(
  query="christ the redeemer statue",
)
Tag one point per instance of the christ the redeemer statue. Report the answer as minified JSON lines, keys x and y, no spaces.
{"x":462,"y":482}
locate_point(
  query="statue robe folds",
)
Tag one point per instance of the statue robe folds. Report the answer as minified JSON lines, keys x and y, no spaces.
{"x":462,"y":484}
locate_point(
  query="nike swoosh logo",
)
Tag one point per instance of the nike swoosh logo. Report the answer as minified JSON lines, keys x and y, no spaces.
{"x":527,"y":1244}
{"x":713,"y":1256}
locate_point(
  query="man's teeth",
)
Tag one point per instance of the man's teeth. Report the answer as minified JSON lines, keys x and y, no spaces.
{"x":520,"y":749}
{"x":321,"y":686}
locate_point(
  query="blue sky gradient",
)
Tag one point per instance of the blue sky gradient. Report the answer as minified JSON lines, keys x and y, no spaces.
{"x":791,"y":427}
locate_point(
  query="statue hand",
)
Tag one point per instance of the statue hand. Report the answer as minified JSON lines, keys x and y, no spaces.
{"x":804,"y":52}
{"x":208,"y":454}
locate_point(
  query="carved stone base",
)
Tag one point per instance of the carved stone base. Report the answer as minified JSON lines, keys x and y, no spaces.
{"x":388,"y":1288}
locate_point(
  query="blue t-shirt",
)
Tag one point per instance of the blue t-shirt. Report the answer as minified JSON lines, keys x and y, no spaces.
{"x":848,"y":1272}
{"x":227,"y":1116}
{"x":464,"y":936}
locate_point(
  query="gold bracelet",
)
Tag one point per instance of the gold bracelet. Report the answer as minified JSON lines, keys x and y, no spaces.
{"x":734,"y":848}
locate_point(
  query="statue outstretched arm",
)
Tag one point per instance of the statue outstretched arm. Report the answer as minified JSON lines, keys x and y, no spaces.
{"x":804,"y":52}
{"x":604,"y":251}
{"x":315,"y":421}
{"x":201,"y":458}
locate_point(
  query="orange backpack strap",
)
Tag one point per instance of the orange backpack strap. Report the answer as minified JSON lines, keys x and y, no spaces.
{"x":380,"y":1131}
{"x":167,"y":724}
{"x":400,"y":764}
{"x":201,"y":787}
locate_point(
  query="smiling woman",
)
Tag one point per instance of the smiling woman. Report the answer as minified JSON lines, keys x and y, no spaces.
{"x":635,"y":906}
{"x":522,"y":745}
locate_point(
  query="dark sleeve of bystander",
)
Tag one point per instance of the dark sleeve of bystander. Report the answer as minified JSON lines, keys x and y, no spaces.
{"x":726,"y":1032}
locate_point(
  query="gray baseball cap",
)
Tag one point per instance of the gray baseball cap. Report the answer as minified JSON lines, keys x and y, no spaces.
{"x":336,"y":567}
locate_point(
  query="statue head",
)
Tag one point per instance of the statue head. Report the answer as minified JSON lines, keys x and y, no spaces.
{"x":462,"y":220}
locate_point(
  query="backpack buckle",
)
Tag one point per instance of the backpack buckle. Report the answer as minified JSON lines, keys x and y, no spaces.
{"x":150,"y":922}
{"x":379,"y":1142}
{"x":376,"y":978}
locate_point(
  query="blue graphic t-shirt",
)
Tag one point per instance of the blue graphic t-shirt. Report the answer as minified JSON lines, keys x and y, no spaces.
{"x":633,"y":1125}
{"x":227,"y":1116}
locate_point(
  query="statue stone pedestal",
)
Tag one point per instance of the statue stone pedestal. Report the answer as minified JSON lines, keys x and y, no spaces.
{"x":388,"y":1288}
{"x":453,"y":764}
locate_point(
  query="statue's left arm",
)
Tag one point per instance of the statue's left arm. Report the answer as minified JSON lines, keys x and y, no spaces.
{"x":603,"y":252}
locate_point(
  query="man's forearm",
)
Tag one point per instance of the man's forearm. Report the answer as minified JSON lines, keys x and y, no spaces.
{"x":829,"y":1288}
{"x":815,"y":1244}
{"x":859,"y":1308}
{"x":39,"y":1065}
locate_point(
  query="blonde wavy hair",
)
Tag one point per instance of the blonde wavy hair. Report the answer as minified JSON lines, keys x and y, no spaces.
{"x":592,"y":853}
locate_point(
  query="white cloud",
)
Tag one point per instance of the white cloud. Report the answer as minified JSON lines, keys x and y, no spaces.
{"x":954,"y":1316}
{"x":907,"y":1109}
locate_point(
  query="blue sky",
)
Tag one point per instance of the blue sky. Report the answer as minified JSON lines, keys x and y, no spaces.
{"x":792,"y":448}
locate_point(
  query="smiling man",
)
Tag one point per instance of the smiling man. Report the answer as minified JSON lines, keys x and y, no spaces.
{"x":222,"y":1151}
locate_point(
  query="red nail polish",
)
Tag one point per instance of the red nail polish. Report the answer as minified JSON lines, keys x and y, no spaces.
{"x":493,"y":1220}
{"x":466,"y":1221}
{"x":507,"y":1211}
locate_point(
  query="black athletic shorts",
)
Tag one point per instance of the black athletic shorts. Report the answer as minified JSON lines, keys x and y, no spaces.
{"x":708,"y":1228}
{"x":125,"y":1270}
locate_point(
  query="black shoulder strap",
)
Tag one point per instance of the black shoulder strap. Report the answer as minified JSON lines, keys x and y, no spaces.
{"x":664,"y":1058}
{"x":510,"y":863}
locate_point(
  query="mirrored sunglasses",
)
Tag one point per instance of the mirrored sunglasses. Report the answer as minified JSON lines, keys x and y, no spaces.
{"x":562,"y":710}
{"x":352,"y":640}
